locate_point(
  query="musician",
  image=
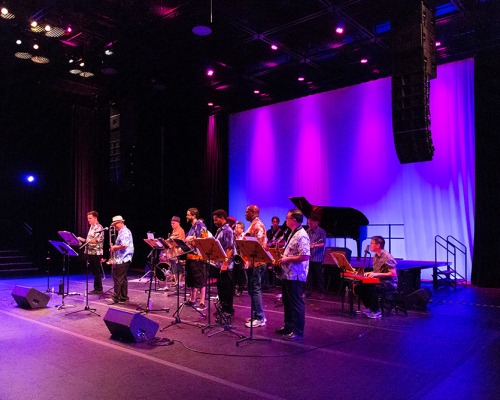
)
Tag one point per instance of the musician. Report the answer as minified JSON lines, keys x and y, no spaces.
{"x":295,"y":265}
{"x":195,"y":269}
{"x":275,"y":235}
{"x":225,"y":285}
{"x":384,"y":268}
{"x":177,"y":266}
{"x":94,"y":249}
{"x":317,"y":237}
{"x":254,"y":275}
{"x":239,"y":274}
{"x":123,"y":250}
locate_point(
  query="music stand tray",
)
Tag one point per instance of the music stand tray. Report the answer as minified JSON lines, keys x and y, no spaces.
{"x":63,"y":248}
{"x":69,"y":238}
{"x":338,"y":259}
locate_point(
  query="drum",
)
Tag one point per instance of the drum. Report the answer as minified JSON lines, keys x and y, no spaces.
{"x":162,"y":272}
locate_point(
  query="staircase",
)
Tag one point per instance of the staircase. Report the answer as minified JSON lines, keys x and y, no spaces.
{"x":14,"y":263}
{"x":455,"y":252}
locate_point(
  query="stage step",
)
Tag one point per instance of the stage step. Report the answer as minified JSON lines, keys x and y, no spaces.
{"x":14,"y":263}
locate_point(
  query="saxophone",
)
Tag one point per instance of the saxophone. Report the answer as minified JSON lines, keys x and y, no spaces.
{"x":277,"y":267}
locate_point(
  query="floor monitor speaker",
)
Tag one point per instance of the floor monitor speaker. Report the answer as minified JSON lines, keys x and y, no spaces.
{"x":29,"y":298}
{"x":130,"y":326}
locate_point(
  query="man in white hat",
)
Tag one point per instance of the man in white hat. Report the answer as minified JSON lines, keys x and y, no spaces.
{"x":123,"y":250}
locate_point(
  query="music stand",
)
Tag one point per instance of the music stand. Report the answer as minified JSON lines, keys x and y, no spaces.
{"x":211,"y":251}
{"x":252,"y":250}
{"x":184,"y":249}
{"x":156,"y":245}
{"x":71,"y":240}
{"x":66,"y":252}
{"x":86,"y":308}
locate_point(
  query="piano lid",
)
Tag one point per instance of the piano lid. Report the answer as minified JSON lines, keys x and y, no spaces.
{"x":336,"y":221}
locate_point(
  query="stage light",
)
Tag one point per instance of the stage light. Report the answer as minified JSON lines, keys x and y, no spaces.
{"x":29,"y":178}
{"x":108,"y":52}
{"x":204,"y":27}
{"x":4,"y":11}
{"x":36,"y":47}
{"x":438,"y":44}
{"x":18,"y":41}
{"x":34,"y":24}
{"x":364,"y":61}
{"x":47,"y":28}
{"x":210,"y":72}
{"x":256,"y":91}
{"x":339,"y":30}
{"x":69,"y":29}
{"x":210,"y":104}
{"x":301,"y":79}
{"x":274,"y":47}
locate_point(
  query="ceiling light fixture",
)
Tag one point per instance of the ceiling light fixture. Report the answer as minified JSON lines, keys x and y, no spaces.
{"x":204,"y":29}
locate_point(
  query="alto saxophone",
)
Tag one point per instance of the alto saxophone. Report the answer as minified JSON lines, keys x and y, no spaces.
{"x":277,"y":268}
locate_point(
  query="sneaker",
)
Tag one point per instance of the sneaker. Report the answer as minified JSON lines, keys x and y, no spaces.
{"x":256,"y":323}
{"x":249,"y":319}
{"x":112,"y":300}
{"x":374,"y":315}
{"x":191,"y":303}
{"x":201,"y":307}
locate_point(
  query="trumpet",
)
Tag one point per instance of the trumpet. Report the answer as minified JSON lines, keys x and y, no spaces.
{"x":112,"y":240}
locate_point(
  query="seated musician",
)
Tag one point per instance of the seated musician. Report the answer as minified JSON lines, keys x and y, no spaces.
{"x":177,"y":266}
{"x":384,"y":268}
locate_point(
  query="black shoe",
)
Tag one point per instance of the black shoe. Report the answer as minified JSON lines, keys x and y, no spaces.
{"x":282,"y":331}
{"x":292,"y":336}
{"x":95,"y":292}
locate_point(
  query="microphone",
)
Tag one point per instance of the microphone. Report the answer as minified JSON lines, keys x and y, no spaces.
{"x":102,"y":230}
{"x":367,"y":250}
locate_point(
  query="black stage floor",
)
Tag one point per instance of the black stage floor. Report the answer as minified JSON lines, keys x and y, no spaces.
{"x":450,"y":350}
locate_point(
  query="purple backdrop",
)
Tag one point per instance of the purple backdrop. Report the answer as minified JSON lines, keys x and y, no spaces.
{"x":337,"y":149}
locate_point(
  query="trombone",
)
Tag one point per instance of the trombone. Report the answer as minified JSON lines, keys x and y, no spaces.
{"x":112,"y":239}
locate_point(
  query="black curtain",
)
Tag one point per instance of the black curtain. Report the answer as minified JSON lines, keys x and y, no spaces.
{"x":485,"y":266}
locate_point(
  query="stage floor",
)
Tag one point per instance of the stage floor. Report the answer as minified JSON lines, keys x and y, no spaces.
{"x":449,"y":351}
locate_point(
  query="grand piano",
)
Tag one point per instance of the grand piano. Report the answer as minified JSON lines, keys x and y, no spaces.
{"x":338,"y":222}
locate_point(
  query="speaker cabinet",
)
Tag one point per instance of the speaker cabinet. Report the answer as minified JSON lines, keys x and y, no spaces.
{"x":413,"y":65}
{"x":29,"y":298}
{"x":419,"y":299}
{"x":129,"y":326}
